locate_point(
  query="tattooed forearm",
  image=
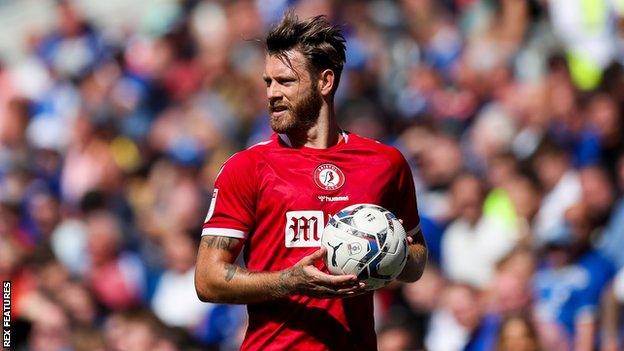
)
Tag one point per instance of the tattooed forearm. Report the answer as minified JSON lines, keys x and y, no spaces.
{"x":230,"y":270}
{"x":286,"y":282}
{"x":219,"y":242}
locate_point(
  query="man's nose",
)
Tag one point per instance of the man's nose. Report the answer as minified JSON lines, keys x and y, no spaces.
{"x":274,"y":93}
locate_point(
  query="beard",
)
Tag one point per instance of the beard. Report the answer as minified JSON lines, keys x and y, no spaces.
{"x":300,"y":117}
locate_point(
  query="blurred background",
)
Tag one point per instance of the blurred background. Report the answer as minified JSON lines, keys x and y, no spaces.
{"x":116,"y":115}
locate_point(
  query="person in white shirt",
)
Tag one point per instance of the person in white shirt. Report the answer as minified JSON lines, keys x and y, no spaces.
{"x":175,"y":301}
{"x":562,"y":188}
{"x":473,"y":243}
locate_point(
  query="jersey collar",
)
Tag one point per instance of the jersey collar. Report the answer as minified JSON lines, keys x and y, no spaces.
{"x":286,"y":140}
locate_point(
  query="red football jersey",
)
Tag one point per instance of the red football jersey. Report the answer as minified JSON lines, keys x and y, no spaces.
{"x":278,"y":199}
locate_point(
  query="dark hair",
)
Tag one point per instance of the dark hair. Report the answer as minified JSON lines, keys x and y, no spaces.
{"x":320,"y":42}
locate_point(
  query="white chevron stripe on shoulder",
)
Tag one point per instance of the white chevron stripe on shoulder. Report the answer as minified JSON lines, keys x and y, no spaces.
{"x":260,"y":143}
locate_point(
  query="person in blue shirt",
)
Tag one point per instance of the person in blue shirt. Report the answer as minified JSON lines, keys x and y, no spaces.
{"x":611,"y":240}
{"x":569,"y":283}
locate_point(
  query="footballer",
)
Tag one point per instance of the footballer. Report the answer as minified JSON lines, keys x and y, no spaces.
{"x":272,"y":201}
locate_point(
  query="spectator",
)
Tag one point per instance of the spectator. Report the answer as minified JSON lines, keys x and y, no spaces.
{"x":178,"y":283}
{"x":88,"y":339}
{"x":612,"y":337}
{"x":473,"y":243}
{"x":562,"y":188}
{"x":116,"y":277}
{"x":569,"y":285}
{"x":395,"y":338}
{"x":13,"y":127}
{"x":141,"y":330}
{"x":89,"y":163}
{"x":598,"y":193}
{"x":518,"y":334}
{"x":509,"y":294}
{"x":75,"y":46}
{"x":610,"y":242}
{"x":50,"y":328}
{"x":524,"y":196}
{"x":80,"y":305}
{"x":455,"y":319}
{"x":421,"y":300}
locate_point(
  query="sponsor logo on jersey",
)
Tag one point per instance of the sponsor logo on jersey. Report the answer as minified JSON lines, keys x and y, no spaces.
{"x":328,"y":177}
{"x":304,"y":228}
{"x":324,"y":198}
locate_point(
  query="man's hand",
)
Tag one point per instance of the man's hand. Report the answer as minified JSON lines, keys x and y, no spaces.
{"x":306,"y":279}
{"x":219,"y":280}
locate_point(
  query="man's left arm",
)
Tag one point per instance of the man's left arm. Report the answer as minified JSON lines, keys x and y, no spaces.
{"x":407,"y":210}
{"x":416,"y":259}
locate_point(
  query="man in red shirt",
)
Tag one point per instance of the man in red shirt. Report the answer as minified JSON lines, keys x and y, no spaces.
{"x":273,"y":200}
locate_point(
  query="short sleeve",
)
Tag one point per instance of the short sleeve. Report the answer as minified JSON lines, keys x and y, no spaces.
{"x":233,"y":203}
{"x":406,"y":207}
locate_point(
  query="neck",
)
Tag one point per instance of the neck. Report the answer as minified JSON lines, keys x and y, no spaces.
{"x":325,"y":133}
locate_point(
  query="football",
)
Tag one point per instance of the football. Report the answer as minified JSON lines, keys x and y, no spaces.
{"x":368,"y":241}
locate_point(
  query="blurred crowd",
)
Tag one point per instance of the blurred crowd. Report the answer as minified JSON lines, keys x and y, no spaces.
{"x":509,"y":112}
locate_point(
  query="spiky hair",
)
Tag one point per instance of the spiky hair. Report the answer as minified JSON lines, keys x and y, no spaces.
{"x":319,"y":41}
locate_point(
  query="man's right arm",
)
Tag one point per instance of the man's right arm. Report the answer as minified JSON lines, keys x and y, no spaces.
{"x":218,"y":279}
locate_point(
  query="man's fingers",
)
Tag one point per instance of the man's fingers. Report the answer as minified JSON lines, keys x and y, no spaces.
{"x":359,"y":287}
{"x":328,"y":285}
{"x":356,"y":292}
{"x":349,"y":285}
{"x":343,"y":292}
{"x":334,"y":280}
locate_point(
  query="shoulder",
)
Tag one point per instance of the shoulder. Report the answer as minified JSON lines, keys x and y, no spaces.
{"x":594,"y":260}
{"x":245,"y":162}
{"x":598,"y":268}
{"x":248,"y":157}
{"x":388,"y":152}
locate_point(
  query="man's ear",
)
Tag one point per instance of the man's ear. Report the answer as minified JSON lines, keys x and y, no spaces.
{"x":326,"y":82}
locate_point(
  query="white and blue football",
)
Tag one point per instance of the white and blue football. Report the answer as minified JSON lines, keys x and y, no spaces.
{"x":368,"y":241}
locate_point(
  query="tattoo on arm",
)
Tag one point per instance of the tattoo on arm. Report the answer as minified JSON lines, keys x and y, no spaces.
{"x":281,"y":288}
{"x":219,"y":242}
{"x":230,"y":270}
{"x":287,"y":280}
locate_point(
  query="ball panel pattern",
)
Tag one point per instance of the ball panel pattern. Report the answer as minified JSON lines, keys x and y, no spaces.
{"x":368,"y":241}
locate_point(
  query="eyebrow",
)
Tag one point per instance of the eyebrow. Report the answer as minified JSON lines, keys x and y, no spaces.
{"x":278,"y":77}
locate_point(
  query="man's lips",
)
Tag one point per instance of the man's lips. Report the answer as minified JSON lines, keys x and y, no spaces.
{"x":277,"y":109}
